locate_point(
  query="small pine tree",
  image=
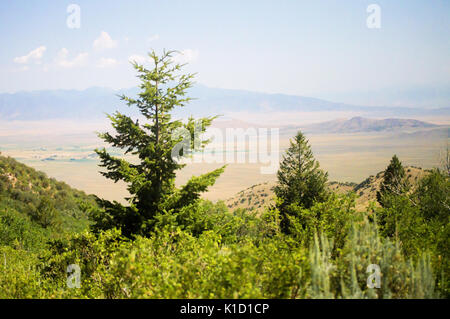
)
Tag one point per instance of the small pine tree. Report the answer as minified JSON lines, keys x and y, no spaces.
{"x":300,"y":180}
{"x":151,"y":181}
{"x":394,"y":182}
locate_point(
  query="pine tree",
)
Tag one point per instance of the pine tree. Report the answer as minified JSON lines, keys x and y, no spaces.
{"x":300,"y":180}
{"x":394,"y":182}
{"x":151,"y":181}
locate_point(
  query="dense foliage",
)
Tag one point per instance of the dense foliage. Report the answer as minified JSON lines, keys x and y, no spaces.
{"x":34,"y":209}
{"x":237,"y":255}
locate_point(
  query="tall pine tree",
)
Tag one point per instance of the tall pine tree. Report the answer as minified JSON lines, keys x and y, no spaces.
{"x":150,"y":178}
{"x":301,"y":182}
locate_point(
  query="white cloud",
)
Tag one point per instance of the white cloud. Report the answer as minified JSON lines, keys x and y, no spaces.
{"x":186,"y":56}
{"x":62,"y":61}
{"x":35,"y":55}
{"x":106,"y":63}
{"x":153,"y":38}
{"x":139,"y":59}
{"x":104,"y":41}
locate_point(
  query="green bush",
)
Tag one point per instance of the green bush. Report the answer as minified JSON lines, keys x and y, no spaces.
{"x":19,"y":275}
{"x":19,"y":232}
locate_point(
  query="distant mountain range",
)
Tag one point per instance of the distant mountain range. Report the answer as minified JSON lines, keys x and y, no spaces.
{"x":92,"y":103}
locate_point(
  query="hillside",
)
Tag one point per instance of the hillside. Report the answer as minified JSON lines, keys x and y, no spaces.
{"x":259,"y":196}
{"x":44,"y":201}
{"x":367,"y":189}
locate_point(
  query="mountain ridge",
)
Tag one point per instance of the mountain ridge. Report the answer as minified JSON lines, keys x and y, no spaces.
{"x":80,"y":104}
{"x":360,"y":124}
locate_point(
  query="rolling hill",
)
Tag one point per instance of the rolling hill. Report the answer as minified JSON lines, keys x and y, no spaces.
{"x":260,"y":196}
{"x":360,"y":124}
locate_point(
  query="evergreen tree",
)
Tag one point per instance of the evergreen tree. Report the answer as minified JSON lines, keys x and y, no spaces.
{"x":301,"y":182}
{"x":394,"y":182}
{"x":151,"y":181}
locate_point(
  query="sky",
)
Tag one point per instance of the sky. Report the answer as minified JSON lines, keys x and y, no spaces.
{"x":317,"y":48}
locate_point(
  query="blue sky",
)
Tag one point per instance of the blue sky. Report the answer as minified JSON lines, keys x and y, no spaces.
{"x":313,"y":48}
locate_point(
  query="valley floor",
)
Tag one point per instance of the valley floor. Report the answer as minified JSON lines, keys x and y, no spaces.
{"x":346,"y":157}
